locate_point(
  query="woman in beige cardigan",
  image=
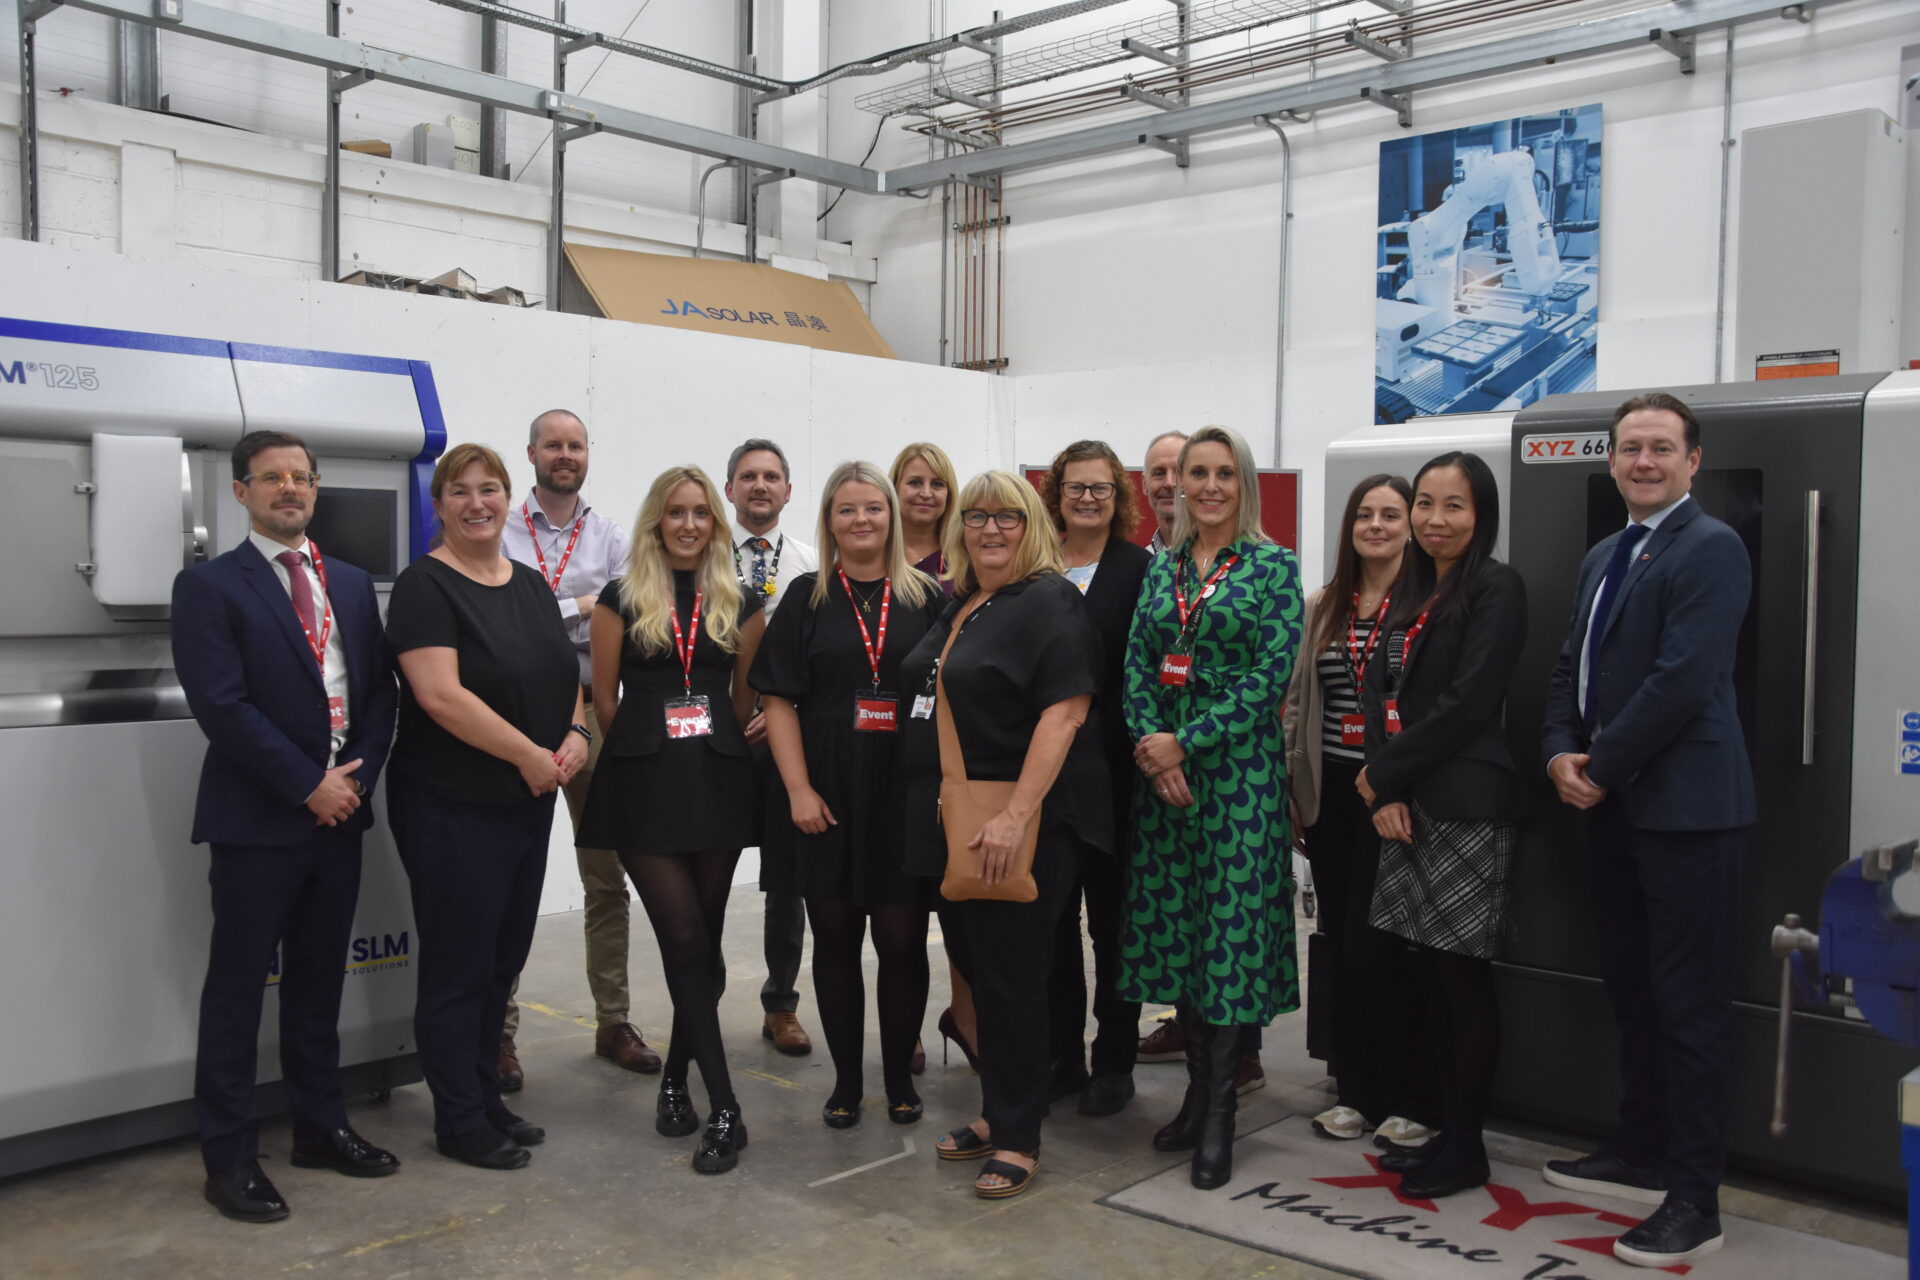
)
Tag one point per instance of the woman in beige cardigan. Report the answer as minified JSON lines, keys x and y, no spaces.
{"x":1378,"y":1053}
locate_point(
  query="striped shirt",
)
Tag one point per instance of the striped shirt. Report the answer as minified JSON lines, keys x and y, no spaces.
{"x":1337,"y":695}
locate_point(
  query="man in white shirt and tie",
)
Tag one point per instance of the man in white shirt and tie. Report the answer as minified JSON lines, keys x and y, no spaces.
{"x":768,"y":559}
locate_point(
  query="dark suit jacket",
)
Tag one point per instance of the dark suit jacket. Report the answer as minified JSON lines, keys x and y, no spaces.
{"x":1451,"y":754}
{"x":1670,"y":743}
{"x":252,"y":683}
{"x":1112,"y":597}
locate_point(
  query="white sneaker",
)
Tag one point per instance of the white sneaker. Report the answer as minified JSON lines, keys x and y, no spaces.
{"x":1343,"y":1124}
{"x":1398,"y":1131}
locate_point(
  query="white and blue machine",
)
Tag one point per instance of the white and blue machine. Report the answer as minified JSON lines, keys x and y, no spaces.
{"x":115,"y":449}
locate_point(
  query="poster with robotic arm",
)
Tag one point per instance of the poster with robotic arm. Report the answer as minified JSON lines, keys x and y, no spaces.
{"x":1487,"y":270}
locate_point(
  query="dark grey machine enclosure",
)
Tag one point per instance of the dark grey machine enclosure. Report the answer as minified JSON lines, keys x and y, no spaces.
{"x":1767,"y":446}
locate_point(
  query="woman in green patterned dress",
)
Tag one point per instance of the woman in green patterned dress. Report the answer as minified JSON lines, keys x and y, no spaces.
{"x":1210,"y":909}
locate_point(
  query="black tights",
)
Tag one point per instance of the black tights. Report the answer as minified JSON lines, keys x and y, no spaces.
{"x":685,"y":895}
{"x":1463,"y":1015}
{"x":839,"y":987}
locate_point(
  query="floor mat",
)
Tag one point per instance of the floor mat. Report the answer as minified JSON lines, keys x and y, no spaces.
{"x":1302,"y":1197}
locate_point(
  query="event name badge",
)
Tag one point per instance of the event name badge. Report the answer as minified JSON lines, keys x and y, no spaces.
{"x":876,"y":713}
{"x":336,"y":714}
{"x":1175,"y":668}
{"x":1393,"y":716}
{"x":1353,"y":729}
{"x":689,"y":717}
{"x":923,"y":707}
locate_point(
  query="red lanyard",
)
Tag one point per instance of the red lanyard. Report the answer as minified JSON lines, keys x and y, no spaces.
{"x":1412,"y":634}
{"x":319,"y":646}
{"x":1359,"y":671}
{"x":1206,"y":589}
{"x":685,"y":650}
{"x":886,"y":601}
{"x":553,"y":583}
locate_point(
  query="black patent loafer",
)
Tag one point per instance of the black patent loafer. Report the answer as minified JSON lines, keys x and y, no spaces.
{"x":345,"y":1151}
{"x":484,"y":1148}
{"x":725,"y":1139}
{"x":243,"y":1193}
{"x":673,"y":1114}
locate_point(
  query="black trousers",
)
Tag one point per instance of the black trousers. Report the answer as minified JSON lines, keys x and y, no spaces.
{"x":299,"y":898}
{"x":1666,"y":903}
{"x":1383,"y":1057}
{"x":1005,"y":951}
{"x":1102,"y":884}
{"x":474,"y":872}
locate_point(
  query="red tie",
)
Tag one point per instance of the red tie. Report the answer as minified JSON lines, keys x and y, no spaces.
{"x":301,"y":588}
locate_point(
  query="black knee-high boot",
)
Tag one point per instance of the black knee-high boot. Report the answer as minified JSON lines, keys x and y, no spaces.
{"x":1213,"y":1158}
{"x":1182,"y":1133}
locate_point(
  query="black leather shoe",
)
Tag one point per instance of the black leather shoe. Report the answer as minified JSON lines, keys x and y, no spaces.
{"x":345,"y":1151}
{"x":242,"y":1192}
{"x":1442,"y":1178}
{"x":484,"y":1148}
{"x":1106,"y":1095}
{"x":673,"y":1114}
{"x":1065,"y":1081}
{"x":515,"y":1130}
{"x":1409,"y":1159}
{"x":725,"y":1139}
{"x":1604,"y":1173}
{"x":1677,"y":1232}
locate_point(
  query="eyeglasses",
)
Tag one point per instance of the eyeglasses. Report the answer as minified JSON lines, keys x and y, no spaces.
{"x":1098,"y":492}
{"x":274,"y":479}
{"x":974,"y":518}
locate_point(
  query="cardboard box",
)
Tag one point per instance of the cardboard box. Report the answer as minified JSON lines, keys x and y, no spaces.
{"x":380,"y":280}
{"x":506,"y":295}
{"x":369,"y":147}
{"x":454,"y":279}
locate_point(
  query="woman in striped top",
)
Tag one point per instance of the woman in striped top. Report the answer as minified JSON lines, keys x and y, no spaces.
{"x":1358,"y":972}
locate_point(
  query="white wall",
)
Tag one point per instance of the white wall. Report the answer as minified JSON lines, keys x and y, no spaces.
{"x":1142,"y":297}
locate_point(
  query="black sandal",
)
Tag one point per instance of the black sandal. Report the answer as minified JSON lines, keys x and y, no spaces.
{"x":1018,"y":1179}
{"x":967,"y":1145}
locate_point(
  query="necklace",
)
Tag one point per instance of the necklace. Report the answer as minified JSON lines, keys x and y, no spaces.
{"x":866,"y":602}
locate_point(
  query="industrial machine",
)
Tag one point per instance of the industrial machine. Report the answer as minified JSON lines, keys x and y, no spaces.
{"x":115,"y":448}
{"x":1816,"y":475}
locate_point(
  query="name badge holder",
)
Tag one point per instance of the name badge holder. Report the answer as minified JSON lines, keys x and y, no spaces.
{"x":1176,"y":667}
{"x":1353,"y":724}
{"x":690,"y":716}
{"x":874,"y":711}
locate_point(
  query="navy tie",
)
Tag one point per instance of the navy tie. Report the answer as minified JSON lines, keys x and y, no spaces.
{"x":1609,"y":588}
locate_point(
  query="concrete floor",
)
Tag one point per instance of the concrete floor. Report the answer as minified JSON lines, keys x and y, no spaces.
{"x":606,"y":1196}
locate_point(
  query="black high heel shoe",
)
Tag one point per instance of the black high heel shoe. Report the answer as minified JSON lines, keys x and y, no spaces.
{"x":725,"y":1139}
{"x":950,"y":1030}
{"x":673,"y":1114}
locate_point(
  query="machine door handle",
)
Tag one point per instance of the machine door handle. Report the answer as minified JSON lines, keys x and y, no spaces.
{"x":1809,"y":642}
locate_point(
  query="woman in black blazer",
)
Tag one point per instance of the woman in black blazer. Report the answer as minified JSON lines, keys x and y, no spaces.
{"x":1444,"y":793}
{"x":1091,"y":501}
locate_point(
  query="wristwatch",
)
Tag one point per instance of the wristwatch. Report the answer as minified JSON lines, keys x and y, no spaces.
{"x":582,"y":730}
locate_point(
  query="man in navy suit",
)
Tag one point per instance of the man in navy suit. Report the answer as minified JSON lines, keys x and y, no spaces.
{"x":1642,"y":733}
{"x":281,"y":654}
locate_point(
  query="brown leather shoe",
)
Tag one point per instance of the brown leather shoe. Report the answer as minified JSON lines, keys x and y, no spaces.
{"x":511,"y":1076}
{"x":1167,"y":1043}
{"x":623,"y":1044}
{"x":788,"y":1036}
{"x":1249,"y":1076}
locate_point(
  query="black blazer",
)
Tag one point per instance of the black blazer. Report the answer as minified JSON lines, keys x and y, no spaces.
{"x":252,"y":683}
{"x":1112,"y":598}
{"x":1670,"y":741}
{"x":1451,"y":754}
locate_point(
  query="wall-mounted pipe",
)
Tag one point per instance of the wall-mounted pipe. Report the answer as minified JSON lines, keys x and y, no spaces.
{"x":700,"y":206}
{"x":1286,"y":235}
{"x":1726,"y":173}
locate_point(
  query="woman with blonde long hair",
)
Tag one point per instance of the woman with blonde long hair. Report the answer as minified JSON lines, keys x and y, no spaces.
{"x":923,"y":477}
{"x":829,"y":679}
{"x":673,"y":638}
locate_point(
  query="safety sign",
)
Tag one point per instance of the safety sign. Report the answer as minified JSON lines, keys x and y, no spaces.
{"x":1909,"y":757}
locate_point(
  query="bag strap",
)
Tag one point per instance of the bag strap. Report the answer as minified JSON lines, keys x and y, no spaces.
{"x":953,"y":765}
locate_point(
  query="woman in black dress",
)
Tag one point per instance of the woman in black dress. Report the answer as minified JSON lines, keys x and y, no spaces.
{"x":673,"y":638}
{"x":489,"y":731}
{"x":829,"y":678}
{"x":1444,"y":793}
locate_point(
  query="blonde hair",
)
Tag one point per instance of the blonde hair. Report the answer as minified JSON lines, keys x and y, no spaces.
{"x":913,"y":587}
{"x":646,"y":588}
{"x":1003,"y":491}
{"x":1246,"y":524}
{"x":942,"y":467}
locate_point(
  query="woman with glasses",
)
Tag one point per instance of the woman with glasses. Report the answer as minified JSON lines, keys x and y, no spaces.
{"x":1093,"y":507}
{"x":1020,"y":667}
{"x":1210,"y":918}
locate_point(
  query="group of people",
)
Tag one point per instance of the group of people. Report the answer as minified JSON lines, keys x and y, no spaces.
{"x":981,"y":700}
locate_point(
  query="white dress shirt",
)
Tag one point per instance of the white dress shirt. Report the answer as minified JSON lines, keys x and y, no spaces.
{"x":598,"y":557}
{"x":334,"y":671}
{"x":794,"y":558}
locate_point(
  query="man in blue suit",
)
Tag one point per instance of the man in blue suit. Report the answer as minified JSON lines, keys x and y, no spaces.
{"x":282,"y":656}
{"x":1642,"y":733}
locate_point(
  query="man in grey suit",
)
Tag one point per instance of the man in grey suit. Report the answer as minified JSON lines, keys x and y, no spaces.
{"x":1642,"y":732}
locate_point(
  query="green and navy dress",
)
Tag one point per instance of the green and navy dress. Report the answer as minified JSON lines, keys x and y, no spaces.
{"x":1210,"y":908}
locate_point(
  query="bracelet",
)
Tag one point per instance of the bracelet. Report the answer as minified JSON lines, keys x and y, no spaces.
{"x":583,"y":731}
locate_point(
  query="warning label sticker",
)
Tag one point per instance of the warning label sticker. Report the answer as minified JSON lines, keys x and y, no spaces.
{"x":1797,"y":364}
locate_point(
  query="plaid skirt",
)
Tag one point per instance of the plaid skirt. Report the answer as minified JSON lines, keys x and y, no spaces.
{"x":1448,"y":889}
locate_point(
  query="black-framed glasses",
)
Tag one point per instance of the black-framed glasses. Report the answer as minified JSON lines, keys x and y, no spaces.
{"x":274,"y":479}
{"x":974,"y":518}
{"x":1098,"y":492}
